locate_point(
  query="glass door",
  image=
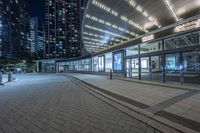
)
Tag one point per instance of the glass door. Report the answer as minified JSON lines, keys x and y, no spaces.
{"x":128,"y":68}
{"x":135,"y":68}
{"x":156,"y":68}
{"x":172,"y":67}
{"x":191,"y":62}
{"x":145,"y":68}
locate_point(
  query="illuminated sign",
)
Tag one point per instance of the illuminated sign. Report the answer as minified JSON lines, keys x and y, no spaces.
{"x":147,"y":38}
{"x":188,"y":26}
{"x":118,"y":61}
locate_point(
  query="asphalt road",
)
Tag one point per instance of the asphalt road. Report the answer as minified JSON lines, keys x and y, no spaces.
{"x":49,"y":103}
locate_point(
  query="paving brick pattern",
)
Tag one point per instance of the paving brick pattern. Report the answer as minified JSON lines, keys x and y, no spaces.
{"x":54,"y":104}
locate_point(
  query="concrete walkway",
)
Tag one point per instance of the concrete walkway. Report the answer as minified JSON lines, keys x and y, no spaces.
{"x":177,"y":107}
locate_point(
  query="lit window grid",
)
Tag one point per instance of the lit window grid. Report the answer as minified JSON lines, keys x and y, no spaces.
{"x":110,"y":24}
{"x":143,"y":12}
{"x":124,"y":18}
{"x":105,"y":31}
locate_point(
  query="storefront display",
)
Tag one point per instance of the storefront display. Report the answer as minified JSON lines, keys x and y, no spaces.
{"x":118,"y":61}
{"x":95,"y":64}
{"x":108,"y":62}
{"x":101,"y":63}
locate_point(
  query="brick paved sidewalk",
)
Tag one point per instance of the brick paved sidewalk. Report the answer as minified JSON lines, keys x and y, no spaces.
{"x":49,"y":103}
{"x":179,"y":106}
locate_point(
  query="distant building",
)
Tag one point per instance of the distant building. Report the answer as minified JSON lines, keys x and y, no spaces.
{"x":41,"y":42}
{"x":36,"y":38}
{"x":34,"y":35}
{"x":63,"y":28}
{"x":14,"y":29}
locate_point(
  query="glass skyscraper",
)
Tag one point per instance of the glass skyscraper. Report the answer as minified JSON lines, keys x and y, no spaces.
{"x":63,"y":28}
{"x":14,"y":29}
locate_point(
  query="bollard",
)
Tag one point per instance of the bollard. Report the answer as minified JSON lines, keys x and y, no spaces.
{"x":110,"y":74}
{"x":1,"y":78}
{"x":10,"y":76}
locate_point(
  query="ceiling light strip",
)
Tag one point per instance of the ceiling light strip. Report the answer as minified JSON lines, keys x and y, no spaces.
{"x":124,"y":18}
{"x":170,"y":6}
{"x":105,"y":31}
{"x":110,"y":24}
{"x":141,"y":10}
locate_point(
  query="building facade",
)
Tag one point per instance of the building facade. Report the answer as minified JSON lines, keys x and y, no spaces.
{"x":62,"y":28}
{"x":14,"y":29}
{"x":133,"y":39}
{"x":37,"y":38}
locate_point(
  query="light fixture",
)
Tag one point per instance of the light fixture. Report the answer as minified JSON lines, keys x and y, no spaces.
{"x":115,"y":13}
{"x":170,"y":6}
{"x":140,"y":9}
{"x":105,"y":31}
{"x":110,"y":24}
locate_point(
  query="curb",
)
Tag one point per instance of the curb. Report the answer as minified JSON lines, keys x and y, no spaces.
{"x":158,"y":84}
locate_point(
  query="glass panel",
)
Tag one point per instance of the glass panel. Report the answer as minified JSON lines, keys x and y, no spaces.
{"x":128,"y":68}
{"x":182,"y":41}
{"x":156,"y":68}
{"x":133,"y":50}
{"x":135,"y":68}
{"x":118,"y":61}
{"x":173,"y":67}
{"x":150,"y":47}
{"x":101,"y":63}
{"x":145,"y":73}
{"x":95,"y":64}
{"x":192,"y":67}
{"x":108,"y":62}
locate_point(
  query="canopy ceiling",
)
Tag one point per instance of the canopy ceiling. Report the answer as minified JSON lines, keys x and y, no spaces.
{"x":109,"y":22}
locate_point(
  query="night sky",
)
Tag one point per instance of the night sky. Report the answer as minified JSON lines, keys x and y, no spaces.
{"x":37,"y":9}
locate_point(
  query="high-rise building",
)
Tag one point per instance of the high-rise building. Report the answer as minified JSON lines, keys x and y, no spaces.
{"x":37,"y":38}
{"x":34,"y":35}
{"x":41,"y":42}
{"x":63,"y":28}
{"x":14,"y":29}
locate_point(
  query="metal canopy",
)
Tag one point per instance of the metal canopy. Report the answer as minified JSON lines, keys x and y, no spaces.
{"x":109,"y":22}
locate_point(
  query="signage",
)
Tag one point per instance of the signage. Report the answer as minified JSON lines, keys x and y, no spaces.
{"x":188,"y":26}
{"x":147,"y":38}
{"x":118,"y":61}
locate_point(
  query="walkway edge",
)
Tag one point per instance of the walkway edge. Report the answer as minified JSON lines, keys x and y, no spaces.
{"x":154,"y":121}
{"x":158,"y":84}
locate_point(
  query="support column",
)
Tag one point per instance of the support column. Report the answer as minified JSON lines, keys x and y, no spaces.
{"x":163,"y":63}
{"x":139,"y":63}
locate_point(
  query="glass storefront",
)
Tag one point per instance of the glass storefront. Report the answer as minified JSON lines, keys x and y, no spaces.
{"x":133,"y":50}
{"x":101,"y":63}
{"x":172,"y":67}
{"x":150,"y":47}
{"x":118,"y":61}
{"x":95,"y":64}
{"x":187,"y":40}
{"x":191,"y":62}
{"x":156,"y":68}
{"x":108,"y":62}
{"x":135,"y":68}
{"x":167,"y":60}
{"x":145,"y":73}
